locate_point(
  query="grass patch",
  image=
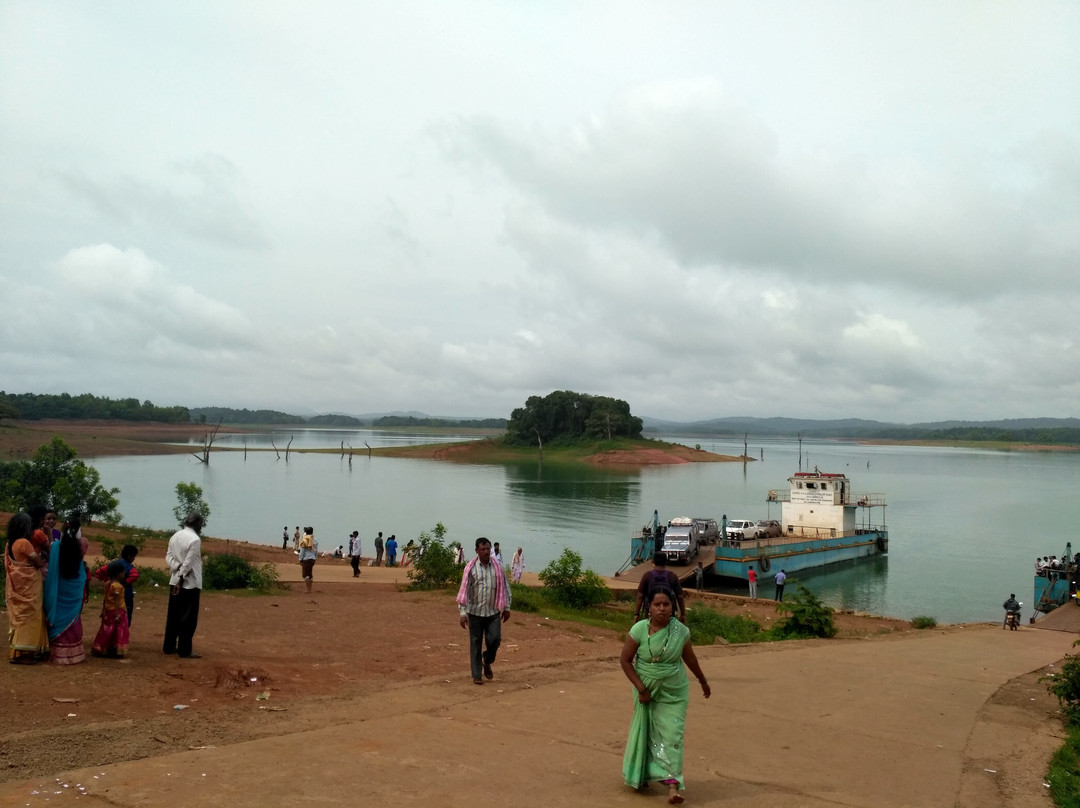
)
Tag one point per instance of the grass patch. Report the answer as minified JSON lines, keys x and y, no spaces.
{"x":923,"y":621}
{"x":706,"y":625}
{"x":1064,"y":773}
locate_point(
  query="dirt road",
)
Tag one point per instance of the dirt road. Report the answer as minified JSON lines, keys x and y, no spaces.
{"x":368,"y":700}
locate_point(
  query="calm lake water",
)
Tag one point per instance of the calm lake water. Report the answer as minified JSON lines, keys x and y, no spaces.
{"x":965,"y":525}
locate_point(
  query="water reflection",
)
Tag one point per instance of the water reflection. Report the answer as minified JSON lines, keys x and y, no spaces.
{"x":965,"y":525}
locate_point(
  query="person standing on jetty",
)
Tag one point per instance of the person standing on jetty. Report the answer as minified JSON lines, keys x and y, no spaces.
{"x":354,"y":553}
{"x":652,"y":659}
{"x":391,"y":550}
{"x":184,"y":560}
{"x":285,"y":538}
{"x":296,"y":540}
{"x":751,"y":576}
{"x":780,"y":578}
{"x":378,"y":549}
{"x":483,"y":606}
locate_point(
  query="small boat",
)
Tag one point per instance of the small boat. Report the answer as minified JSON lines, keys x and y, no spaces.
{"x":822,"y":521}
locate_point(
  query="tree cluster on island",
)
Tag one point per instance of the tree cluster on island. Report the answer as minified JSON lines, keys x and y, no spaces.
{"x":568,"y":416}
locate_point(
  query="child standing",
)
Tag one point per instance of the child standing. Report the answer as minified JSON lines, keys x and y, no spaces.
{"x":112,"y":638}
{"x":131,"y":575}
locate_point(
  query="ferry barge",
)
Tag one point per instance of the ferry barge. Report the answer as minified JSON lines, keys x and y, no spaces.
{"x":823,"y":521}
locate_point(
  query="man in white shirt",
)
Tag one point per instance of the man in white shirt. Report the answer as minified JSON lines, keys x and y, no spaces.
{"x":354,"y":553}
{"x":184,"y":559}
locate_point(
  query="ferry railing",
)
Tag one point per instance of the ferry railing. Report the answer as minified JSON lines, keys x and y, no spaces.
{"x":805,"y":534}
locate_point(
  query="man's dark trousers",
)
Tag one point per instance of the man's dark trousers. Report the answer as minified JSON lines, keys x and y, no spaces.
{"x":483,"y":630}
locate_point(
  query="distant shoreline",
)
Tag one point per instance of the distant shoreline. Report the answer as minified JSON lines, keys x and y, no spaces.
{"x":96,"y":438}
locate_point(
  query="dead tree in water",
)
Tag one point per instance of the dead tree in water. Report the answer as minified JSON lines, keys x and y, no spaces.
{"x":208,"y":442}
{"x":287,"y":445}
{"x":350,"y":455}
{"x":275,"y":449}
{"x":539,"y":442}
{"x":368,"y":445}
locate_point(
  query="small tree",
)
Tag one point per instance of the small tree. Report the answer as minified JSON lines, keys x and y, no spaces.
{"x":570,"y":585}
{"x":435,"y":564}
{"x":807,"y":616}
{"x":189,"y":498}
{"x":56,"y":478}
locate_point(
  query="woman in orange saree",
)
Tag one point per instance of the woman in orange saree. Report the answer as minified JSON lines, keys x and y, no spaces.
{"x":28,"y":639}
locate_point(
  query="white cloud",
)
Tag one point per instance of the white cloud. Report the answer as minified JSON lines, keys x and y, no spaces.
{"x":401,"y":206}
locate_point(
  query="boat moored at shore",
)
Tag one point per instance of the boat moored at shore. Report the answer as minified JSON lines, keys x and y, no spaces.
{"x":822,"y":522}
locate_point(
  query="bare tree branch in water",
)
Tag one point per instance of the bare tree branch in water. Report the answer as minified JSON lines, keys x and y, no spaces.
{"x":208,"y":443}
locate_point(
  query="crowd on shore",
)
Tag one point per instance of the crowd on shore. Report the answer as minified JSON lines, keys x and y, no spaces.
{"x":47,"y":583}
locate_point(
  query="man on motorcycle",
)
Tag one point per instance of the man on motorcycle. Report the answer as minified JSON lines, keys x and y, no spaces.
{"x":1011,"y":607}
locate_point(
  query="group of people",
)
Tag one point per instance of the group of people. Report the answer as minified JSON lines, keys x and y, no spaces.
{"x":1048,"y":564}
{"x":47,"y":583}
{"x":778,"y":580}
{"x":308,"y":550}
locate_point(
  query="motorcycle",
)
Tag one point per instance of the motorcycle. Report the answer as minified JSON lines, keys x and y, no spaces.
{"x":1012,"y":619}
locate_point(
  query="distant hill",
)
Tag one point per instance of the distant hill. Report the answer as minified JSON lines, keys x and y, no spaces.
{"x":1015,"y":430}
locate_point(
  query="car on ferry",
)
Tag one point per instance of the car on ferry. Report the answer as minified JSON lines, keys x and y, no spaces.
{"x":708,"y":530}
{"x":740,"y":529}
{"x":681,"y":540}
{"x":768,"y":529}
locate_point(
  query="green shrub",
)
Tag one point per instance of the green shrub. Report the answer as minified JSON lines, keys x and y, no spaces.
{"x":1064,"y":772}
{"x":110,"y":548}
{"x":807,"y":617}
{"x":1066,"y":686}
{"x":569,"y":585}
{"x":225,"y":571}
{"x":706,"y":625}
{"x":923,"y":621}
{"x":435,"y":564}
{"x":526,"y":599}
{"x":148,"y":576}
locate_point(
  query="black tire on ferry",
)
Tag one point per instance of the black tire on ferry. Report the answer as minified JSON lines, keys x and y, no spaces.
{"x":882,"y":544}
{"x":764,"y":563}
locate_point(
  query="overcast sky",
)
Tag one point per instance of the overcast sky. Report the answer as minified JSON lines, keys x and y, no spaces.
{"x":707,"y":209}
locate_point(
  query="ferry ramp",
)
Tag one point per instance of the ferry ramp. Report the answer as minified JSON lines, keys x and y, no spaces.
{"x":706,"y":555}
{"x":1063,"y":618}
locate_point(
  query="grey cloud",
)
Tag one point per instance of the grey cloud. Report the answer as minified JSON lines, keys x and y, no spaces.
{"x":710,"y":182}
{"x":200,"y":198}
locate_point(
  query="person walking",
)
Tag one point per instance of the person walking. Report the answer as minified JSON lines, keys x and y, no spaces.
{"x":378,"y":549}
{"x":660,"y":574}
{"x":309,"y":551}
{"x":354,"y":553}
{"x":780,"y":578}
{"x":752,"y":578}
{"x":517,"y":565}
{"x":184,"y":560}
{"x":483,"y":606}
{"x":653,"y":659}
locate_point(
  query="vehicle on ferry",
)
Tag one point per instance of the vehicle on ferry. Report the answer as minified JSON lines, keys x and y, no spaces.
{"x":681,"y":540}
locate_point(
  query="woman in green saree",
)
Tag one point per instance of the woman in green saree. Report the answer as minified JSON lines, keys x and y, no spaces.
{"x":652,"y":659}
